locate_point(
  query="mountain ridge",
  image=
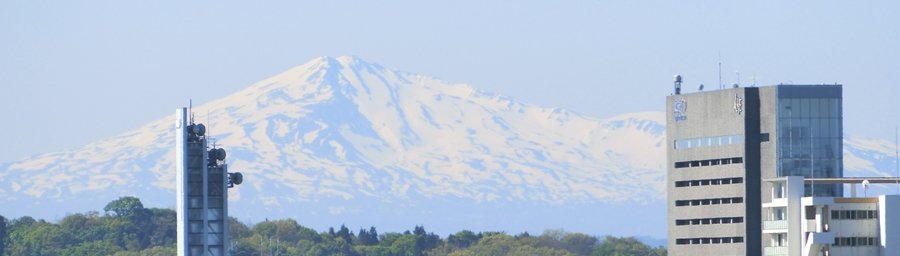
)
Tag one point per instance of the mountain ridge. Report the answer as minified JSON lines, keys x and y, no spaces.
{"x":339,"y":139}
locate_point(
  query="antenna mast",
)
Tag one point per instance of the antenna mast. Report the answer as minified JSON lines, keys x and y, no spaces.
{"x":721,"y":86}
{"x":209,"y":124}
{"x":191,"y":109}
{"x":208,"y":133}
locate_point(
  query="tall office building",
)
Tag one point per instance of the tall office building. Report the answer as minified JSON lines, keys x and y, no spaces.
{"x":202,"y":182}
{"x":722,"y":143}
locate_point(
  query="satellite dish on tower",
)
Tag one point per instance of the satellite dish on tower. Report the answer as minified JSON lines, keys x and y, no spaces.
{"x":198,"y":129}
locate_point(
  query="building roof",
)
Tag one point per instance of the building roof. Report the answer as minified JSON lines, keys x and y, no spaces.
{"x":846,"y":180}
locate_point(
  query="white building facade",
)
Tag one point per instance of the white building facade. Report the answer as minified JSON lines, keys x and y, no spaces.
{"x":821,"y":225}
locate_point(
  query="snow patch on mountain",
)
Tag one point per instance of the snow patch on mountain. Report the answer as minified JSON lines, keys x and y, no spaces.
{"x":345,"y":128}
{"x":342,"y":136}
{"x":869,"y":157}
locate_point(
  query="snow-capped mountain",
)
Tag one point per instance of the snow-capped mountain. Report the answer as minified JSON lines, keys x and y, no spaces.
{"x":341,"y":140}
{"x":869,"y":157}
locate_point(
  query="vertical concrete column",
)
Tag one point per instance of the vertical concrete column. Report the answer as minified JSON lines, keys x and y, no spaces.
{"x":819,"y":220}
{"x":794,"y":190}
{"x":889,"y":226}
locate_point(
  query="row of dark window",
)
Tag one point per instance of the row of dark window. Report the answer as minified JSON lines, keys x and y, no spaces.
{"x":707,"y":182}
{"x":709,"y":141}
{"x":710,"y":240}
{"x":709,"y":221}
{"x":853,"y":214}
{"x":709,"y":162}
{"x":710,"y":201}
{"x":855,"y":241}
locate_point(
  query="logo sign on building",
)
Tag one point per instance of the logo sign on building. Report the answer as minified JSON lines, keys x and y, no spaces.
{"x":679,"y":106}
{"x":738,"y":104}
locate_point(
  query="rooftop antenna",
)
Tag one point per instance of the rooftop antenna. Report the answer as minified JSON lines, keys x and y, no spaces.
{"x":190,"y":109}
{"x":208,"y":125}
{"x":721,"y":85}
{"x":754,"y":80}
{"x":738,"y":73}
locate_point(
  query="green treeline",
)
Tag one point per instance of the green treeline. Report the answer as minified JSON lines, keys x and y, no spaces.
{"x":127,"y":228}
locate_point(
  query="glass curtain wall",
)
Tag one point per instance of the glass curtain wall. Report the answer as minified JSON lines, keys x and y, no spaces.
{"x":809,"y":141}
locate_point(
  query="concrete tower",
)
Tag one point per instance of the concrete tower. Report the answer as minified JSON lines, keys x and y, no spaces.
{"x":202,"y":190}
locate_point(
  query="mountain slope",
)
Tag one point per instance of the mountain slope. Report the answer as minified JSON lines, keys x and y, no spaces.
{"x":348,"y":136}
{"x":341,"y":140}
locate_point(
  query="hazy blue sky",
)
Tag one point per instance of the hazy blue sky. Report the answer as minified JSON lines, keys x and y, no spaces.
{"x":72,"y":73}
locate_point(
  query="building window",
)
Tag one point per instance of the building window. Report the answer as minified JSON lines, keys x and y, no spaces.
{"x":709,"y":240}
{"x":809,"y":139}
{"x":708,"y":182}
{"x":709,"y":162}
{"x":709,"y":141}
{"x":855,"y":241}
{"x":853,"y":214}
{"x":709,"y":221}
{"x":709,"y":201}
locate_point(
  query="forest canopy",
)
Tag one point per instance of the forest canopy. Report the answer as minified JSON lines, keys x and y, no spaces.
{"x":127,"y":228}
